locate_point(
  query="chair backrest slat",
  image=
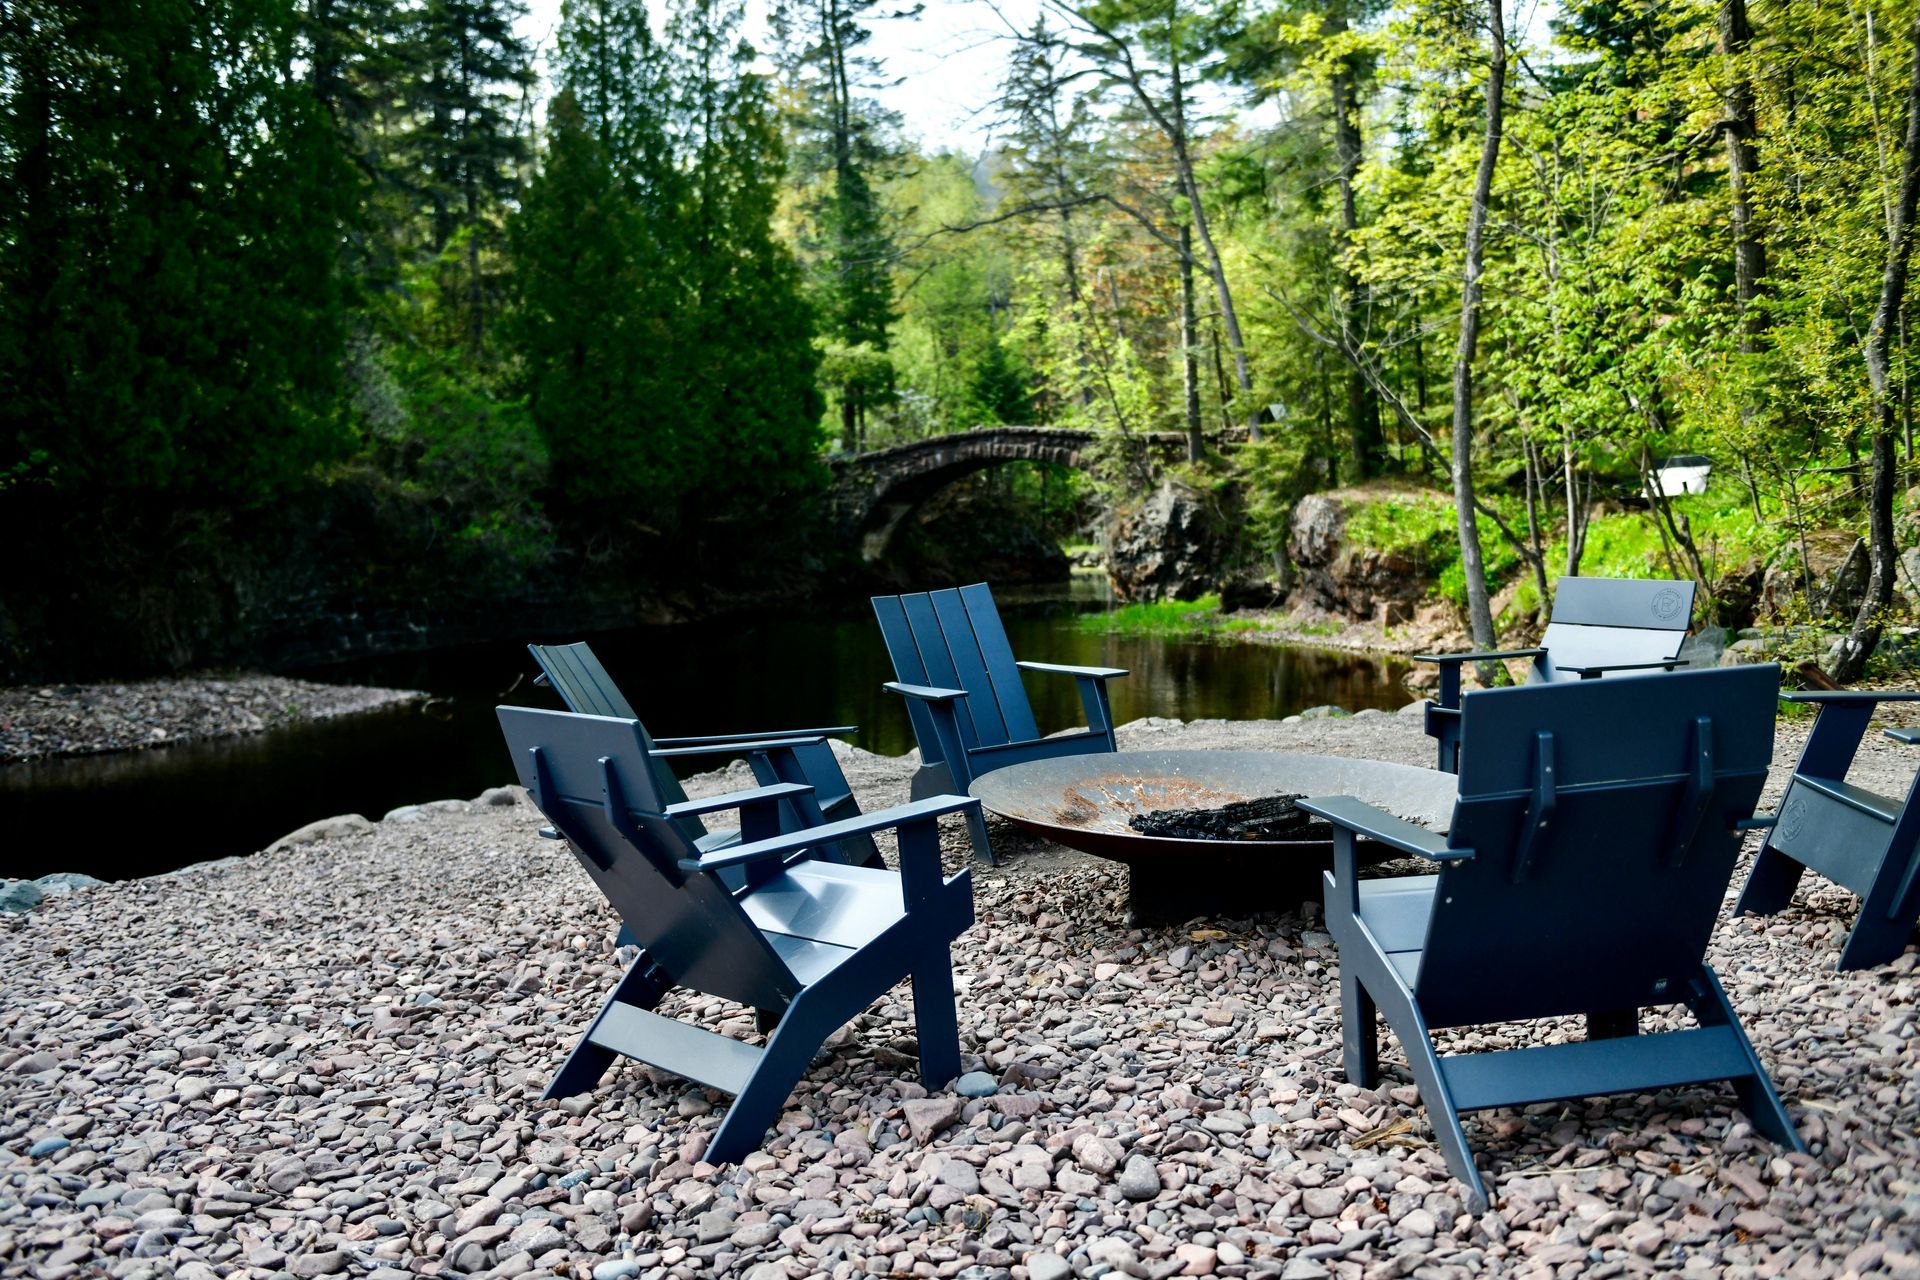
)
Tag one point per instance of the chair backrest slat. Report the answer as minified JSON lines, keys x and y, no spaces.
{"x":581,"y":681}
{"x":689,"y":923}
{"x":1622,"y":889}
{"x":1648,"y":604}
{"x":577,"y":675}
{"x":991,"y":635}
{"x":954,"y":638}
{"x":930,"y":644}
{"x":1614,"y":621}
{"x":970,"y":667}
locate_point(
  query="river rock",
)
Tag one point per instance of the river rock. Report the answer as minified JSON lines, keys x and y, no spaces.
{"x":976,"y":1084}
{"x":929,"y":1116}
{"x":337,"y":828}
{"x":66,"y":882}
{"x":1139,"y":1180}
{"x":1048,"y":1266}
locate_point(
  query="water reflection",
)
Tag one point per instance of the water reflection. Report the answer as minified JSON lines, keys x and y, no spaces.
{"x":121,"y":815}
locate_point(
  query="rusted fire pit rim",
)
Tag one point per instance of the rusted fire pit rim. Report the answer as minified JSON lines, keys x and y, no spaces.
{"x":1083,"y":802}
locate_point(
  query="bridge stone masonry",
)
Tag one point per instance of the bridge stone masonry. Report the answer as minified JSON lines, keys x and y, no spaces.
{"x":872,"y":494}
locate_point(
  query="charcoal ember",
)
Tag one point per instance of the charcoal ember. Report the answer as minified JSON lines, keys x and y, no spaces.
{"x":1266,"y":818}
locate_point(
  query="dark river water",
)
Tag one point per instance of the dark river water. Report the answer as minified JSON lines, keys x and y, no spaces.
{"x":140,"y":813}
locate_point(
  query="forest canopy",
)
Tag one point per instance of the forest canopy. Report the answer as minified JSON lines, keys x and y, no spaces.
{"x":250,"y":247}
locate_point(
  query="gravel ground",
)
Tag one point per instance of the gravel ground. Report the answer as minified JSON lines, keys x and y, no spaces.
{"x":326,"y":1061}
{"x":39,"y":721}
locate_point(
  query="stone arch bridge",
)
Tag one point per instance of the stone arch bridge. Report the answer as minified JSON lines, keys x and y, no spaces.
{"x":873,"y":493}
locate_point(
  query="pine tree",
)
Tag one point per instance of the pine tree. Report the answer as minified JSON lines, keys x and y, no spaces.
{"x":171,"y":311}
{"x":462,"y":148}
{"x":598,"y":261}
{"x":749,"y":356}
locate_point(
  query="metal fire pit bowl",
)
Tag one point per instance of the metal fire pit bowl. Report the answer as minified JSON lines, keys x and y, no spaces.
{"x":1083,"y":802}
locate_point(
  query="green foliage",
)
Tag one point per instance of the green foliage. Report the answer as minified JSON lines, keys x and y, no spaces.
{"x":1199,"y":619}
{"x":172,"y":316}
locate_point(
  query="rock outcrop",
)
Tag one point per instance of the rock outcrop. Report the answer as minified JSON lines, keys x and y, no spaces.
{"x":1354,"y":582}
{"x":1177,"y":545}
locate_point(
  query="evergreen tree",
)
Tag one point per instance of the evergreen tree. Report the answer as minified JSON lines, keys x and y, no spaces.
{"x":171,"y":312}
{"x":597,"y":255}
{"x":461,"y":150}
{"x":748,"y":336}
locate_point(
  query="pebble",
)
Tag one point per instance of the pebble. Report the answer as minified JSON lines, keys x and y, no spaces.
{"x":976,"y":1084}
{"x":37,"y":722}
{"x":332,"y":1057}
{"x":1139,"y":1180}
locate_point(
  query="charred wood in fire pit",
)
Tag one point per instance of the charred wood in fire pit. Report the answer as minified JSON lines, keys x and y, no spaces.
{"x":1268,"y":818}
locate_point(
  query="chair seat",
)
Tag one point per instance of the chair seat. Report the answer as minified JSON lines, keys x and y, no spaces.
{"x":1396,"y":912}
{"x":828,"y":902}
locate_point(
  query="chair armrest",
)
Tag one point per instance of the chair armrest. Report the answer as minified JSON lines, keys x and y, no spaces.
{"x":1055,"y":668}
{"x":1665,"y":664}
{"x":1908,"y":736}
{"x":924,"y":692}
{"x":1444,"y":658}
{"x":1363,"y":819}
{"x":836,"y":731}
{"x":738,"y":799}
{"x":1849,"y":695}
{"x":733,"y":748}
{"x":828,"y":833}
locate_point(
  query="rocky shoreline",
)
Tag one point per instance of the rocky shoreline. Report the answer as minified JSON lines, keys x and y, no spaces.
{"x":325,"y":1060}
{"x":38,"y":722}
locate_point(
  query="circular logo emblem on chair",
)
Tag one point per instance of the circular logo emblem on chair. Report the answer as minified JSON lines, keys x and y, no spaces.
{"x":1666,"y":604}
{"x":1792,"y":820}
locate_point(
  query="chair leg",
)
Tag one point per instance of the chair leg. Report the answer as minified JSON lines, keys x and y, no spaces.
{"x":1411,"y":1031}
{"x":977,"y":833}
{"x":788,"y":1053}
{"x":936,"y":1022}
{"x":1757,"y":1096}
{"x":1610,"y":1024}
{"x":1770,"y":885}
{"x":642,"y":986}
{"x":1359,"y":1032}
{"x":1874,"y":940}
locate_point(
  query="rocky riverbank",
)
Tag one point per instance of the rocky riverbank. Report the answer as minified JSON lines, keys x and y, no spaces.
{"x":40,"y":721}
{"x":326,"y":1060}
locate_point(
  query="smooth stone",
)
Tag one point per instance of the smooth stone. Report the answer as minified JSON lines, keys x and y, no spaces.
{"x":20,"y":896}
{"x":1048,"y":1266}
{"x":976,"y":1084}
{"x":617,"y":1269}
{"x":47,"y":1147}
{"x":1139,"y":1180}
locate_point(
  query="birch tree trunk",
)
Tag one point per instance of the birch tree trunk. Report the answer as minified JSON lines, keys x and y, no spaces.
{"x":1882,"y":564}
{"x":1190,"y":349}
{"x":1479,"y":612}
{"x":1363,"y":407}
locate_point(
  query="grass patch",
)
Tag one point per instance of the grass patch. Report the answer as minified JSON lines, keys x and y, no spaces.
{"x":1169,"y":619}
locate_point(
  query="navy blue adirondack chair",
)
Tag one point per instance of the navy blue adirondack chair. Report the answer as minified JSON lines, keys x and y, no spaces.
{"x":1865,"y":842}
{"x":1592,"y":840}
{"x":970,"y":713}
{"x":798,"y":755}
{"x":806,"y":942}
{"x":1598,"y":627}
